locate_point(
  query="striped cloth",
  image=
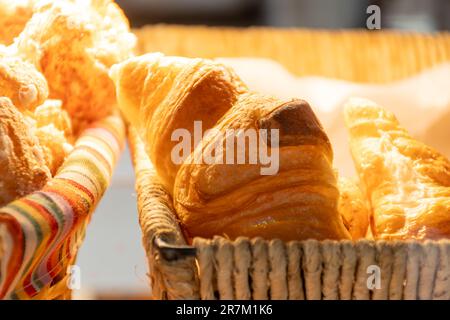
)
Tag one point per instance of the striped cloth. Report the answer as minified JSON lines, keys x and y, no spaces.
{"x":40,"y":234}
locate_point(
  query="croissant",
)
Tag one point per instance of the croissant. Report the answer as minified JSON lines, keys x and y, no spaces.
{"x":159,"y":94}
{"x":297,"y":200}
{"x":406,"y":181}
{"x":74,"y":43}
{"x":22,"y":164}
{"x":353,"y":208}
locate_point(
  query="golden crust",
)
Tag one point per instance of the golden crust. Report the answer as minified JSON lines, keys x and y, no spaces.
{"x":22,"y":165}
{"x":354,"y":208}
{"x":89,"y":37}
{"x":159,"y":94}
{"x":21,"y":82}
{"x":52,"y":113}
{"x":52,"y":127}
{"x":407,"y":182}
{"x":298,"y":202}
{"x":14,"y":14}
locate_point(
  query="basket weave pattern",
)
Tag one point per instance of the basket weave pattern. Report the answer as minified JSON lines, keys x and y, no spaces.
{"x":330,"y":270}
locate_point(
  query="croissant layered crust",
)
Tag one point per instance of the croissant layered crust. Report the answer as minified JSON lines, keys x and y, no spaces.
{"x":406,"y":181}
{"x":299,"y":202}
{"x":159,"y":94}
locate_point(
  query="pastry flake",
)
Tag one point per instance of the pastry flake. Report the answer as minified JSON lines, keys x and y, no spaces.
{"x":52,"y":126}
{"x":22,"y":163}
{"x":21,"y":82}
{"x":406,"y":181}
{"x":353,"y":207}
{"x":14,"y":14}
{"x":74,"y":43}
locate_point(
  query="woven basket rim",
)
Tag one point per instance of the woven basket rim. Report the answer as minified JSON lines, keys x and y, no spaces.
{"x":173,"y":252}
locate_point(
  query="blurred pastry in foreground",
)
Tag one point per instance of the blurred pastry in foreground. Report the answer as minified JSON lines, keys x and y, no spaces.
{"x":54,"y":131}
{"x":14,"y":14}
{"x":353,"y":208}
{"x":73,"y":43}
{"x":21,"y":82}
{"x":407,"y":182}
{"x":22,"y":164}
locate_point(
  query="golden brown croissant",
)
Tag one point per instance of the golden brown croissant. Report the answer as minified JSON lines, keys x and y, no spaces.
{"x":21,"y":82}
{"x":407,"y":182}
{"x":14,"y":14}
{"x":298,"y":202}
{"x":73,"y":43}
{"x":22,"y":165}
{"x":353,"y":208}
{"x":161,"y":94}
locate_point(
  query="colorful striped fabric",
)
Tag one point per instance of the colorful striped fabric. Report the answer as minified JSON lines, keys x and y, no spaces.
{"x":40,"y":234}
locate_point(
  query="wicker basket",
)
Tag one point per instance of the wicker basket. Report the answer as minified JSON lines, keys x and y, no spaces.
{"x":259,"y":269}
{"x":359,"y":56}
{"x":41,"y":233}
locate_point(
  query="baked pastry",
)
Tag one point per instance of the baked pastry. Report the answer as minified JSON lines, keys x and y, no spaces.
{"x":159,"y":94}
{"x":52,"y":126}
{"x":22,"y":165}
{"x":73,"y":43}
{"x":353,"y":207}
{"x":298,"y":200}
{"x":406,"y":181}
{"x":21,"y":81}
{"x":51,"y":113}
{"x":14,"y":14}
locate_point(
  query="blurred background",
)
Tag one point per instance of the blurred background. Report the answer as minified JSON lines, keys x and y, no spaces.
{"x":418,"y":15}
{"x":115,"y":266}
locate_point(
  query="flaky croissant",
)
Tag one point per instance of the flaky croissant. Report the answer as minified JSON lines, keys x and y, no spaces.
{"x":298,"y":202}
{"x":161,"y":94}
{"x":406,"y":181}
{"x":22,"y":164}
